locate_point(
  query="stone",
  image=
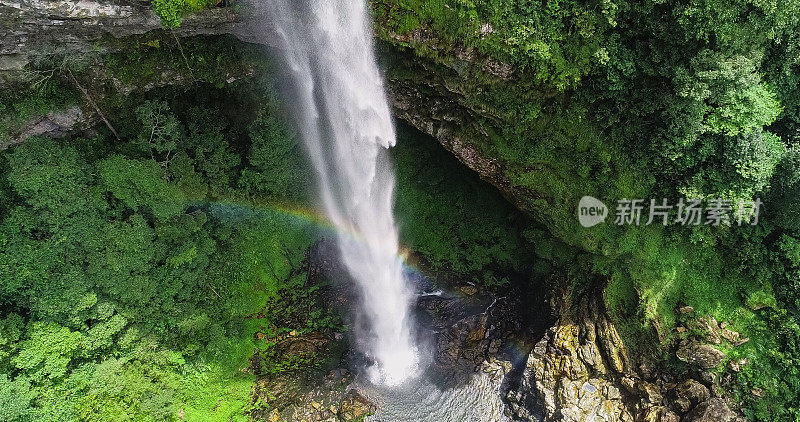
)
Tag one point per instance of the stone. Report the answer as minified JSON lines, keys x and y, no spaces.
{"x":13,"y":62}
{"x":651,"y":393}
{"x":468,"y":290}
{"x":630,"y":385}
{"x":74,"y":26}
{"x":703,"y":355}
{"x":477,"y":334}
{"x":712,"y":410}
{"x":355,"y":407}
{"x":571,"y":372}
{"x":693,"y":391}
{"x":682,"y":404}
{"x":732,"y":336}
{"x":660,"y":414}
{"x":56,"y":124}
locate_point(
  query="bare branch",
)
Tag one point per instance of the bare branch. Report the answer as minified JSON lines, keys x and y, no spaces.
{"x":91,"y":102}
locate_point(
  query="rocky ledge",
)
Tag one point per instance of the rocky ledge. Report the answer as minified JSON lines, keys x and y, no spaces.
{"x":58,"y":26}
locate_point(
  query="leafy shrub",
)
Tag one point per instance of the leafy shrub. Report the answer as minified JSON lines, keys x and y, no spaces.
{"x":171,"y":11}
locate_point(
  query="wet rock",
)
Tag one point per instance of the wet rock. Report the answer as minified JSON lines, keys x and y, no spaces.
{"x":302,"y":396}
{"x":682,"y":405}
{"x":469,"y":330}
{"x":713,"y":410}
{"x":355,"y":407}
{"x":303,"y":347}
{"x":468,"y":290}
{"x":462,"y":343}
{"x":496,"y":368}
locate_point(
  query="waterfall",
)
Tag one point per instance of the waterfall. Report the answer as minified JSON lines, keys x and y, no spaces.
{"x":344,"y":120}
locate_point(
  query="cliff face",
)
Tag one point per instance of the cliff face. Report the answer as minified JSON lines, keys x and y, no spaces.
{"x":473,"y":105}
{"x":423,"y":96}
{"x":30,"y":28}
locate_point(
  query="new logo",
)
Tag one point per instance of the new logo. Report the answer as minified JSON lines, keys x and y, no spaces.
{"x":591,"y":211}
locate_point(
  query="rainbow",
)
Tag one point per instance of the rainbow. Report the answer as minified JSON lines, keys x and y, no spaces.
{"x":297,"y":213}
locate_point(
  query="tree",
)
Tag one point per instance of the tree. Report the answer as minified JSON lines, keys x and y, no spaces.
{"x":138,"y":184}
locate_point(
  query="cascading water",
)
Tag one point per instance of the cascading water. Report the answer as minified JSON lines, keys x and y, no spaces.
{"x":344,"y":119}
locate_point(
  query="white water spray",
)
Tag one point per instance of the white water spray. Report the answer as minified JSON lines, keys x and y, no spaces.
{"x":345,"y":122}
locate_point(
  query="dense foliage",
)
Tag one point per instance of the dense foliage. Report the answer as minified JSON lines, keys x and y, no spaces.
{"x":130,"y":269}
{"x":454,"y":219}
{"x":652,"y":99}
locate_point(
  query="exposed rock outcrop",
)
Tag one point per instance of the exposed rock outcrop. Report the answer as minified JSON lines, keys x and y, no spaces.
{"x":304,"y":397}
{"x":55,"y":124}
{"x":438,"y":108}
{"x":573,"y":373}
{"x":713,"y":410}
{"x":580,"y":371}
{"x":60,"y":26}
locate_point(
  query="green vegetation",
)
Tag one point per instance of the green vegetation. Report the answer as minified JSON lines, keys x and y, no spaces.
{"x":22,"y":102}
{"x":139,"y":277}
{"x":131,"y":270}
{"x":642,"y":100}
{"x":460,"y":225}
{"x":171,"y":11}
{"x":554,"y":41}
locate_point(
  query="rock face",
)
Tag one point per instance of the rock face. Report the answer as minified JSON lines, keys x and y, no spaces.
{"x":304,"y":397}
{"x":580,"y":371}
{"x":437,"y":108}
{"x":56,"y":124}
{"x":573,"y":372}
{"x":59,"y":26}
{"x":714,"y":410}
{"x":703,"y":355}
{"x":355,"y":407}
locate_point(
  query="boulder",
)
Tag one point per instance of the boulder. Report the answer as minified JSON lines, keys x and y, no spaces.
{"x":355,"y":407}
{"x":703,"y":355}
{"x":712,"y":410}
{"x":660,"y":414}
{"x":693,"y":391}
